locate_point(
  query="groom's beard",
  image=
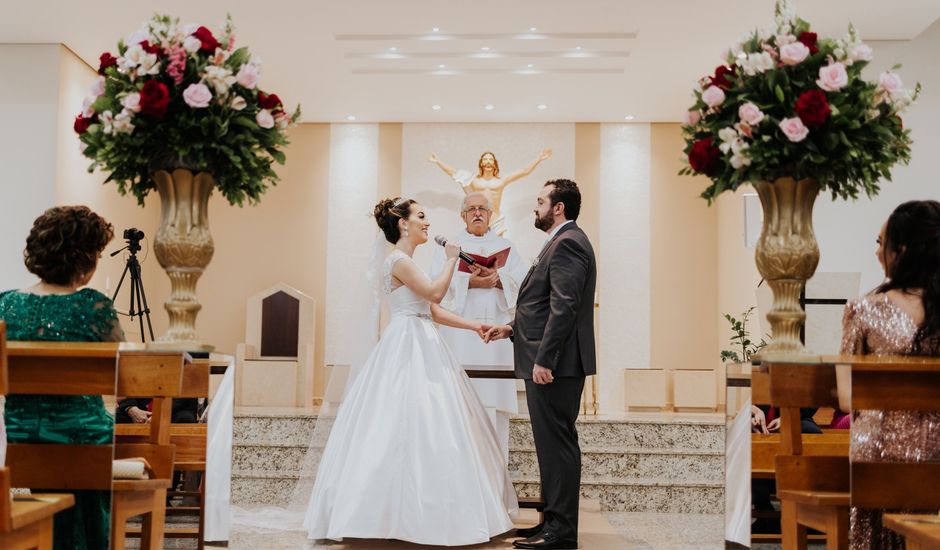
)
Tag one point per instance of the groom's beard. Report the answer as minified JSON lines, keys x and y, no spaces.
{"x":544,"y":223}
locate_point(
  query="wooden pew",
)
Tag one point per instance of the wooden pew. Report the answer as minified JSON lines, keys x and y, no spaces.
{"x":921,"y":532}
{"x":25,"y":521}
{"x":69,"y":368}
{"x":813,"y":490}
{"x":190,"y":441}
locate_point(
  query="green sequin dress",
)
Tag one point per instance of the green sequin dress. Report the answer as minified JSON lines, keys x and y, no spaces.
{"x":84,"y":316}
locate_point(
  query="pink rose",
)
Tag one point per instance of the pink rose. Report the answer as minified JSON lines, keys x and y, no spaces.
{"x":890,"y":82}
{"x":691,"y":118}
{"x":862,"y":52}
{"x":247,"y":76}
{"x":713,"y":96}
{"x":197,"y":96}
{"x":794,"y":129}
{"x":794,"y":53}
{"x":833,"y":77}
{"x":97,"y":89}
{"x":131,"y":102}
{"x":751,"y":114}
{"x":265,"y":119}
{"x":87,"y":111}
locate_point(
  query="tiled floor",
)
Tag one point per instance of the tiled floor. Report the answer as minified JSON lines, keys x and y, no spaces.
{"x":598,"y":531}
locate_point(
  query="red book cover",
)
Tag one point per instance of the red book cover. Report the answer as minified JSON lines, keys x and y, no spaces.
{"x":493,"y":261}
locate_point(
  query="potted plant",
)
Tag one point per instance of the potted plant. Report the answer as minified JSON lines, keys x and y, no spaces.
{"x":179,"y":109}
{"x":790,"y":113}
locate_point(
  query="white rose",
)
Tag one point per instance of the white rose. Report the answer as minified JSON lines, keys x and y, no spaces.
{"x":890,"y":82}
{"x":750,"y":114}
{"x":131,"y":102}
{"x":135,"y":38}
{"x":861,"y":52}
{"x":197,"y":96}
{"x":264,"y":119}
{"x":87,"y":111}
{"x":238,"y":103}
{"x":97,"y":89}
{"x":192,"y":44}
{"x":190,"y":28}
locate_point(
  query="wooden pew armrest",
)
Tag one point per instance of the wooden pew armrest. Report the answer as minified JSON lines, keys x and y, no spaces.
{"x":815,"y":498}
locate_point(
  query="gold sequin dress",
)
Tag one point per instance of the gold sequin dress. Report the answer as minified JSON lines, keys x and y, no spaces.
{"x":873,"y":325}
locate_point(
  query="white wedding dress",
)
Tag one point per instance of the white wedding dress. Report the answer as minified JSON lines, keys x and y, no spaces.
{"x":412,"y":454}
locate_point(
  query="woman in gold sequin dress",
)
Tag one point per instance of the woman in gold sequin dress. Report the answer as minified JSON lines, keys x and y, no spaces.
{"x":900,"y":317}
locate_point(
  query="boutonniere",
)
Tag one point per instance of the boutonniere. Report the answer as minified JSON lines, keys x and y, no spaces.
{"x":535,"y":262}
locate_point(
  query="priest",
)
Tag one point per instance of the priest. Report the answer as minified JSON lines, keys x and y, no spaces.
{"x":485,"y":291}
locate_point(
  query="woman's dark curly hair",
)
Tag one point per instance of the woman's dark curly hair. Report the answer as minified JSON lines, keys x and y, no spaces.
{"x":913,"y":234}
{"x":64,"y":244}
{"x":387,"y":213}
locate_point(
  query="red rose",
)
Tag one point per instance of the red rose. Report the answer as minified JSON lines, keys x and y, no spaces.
{"x":269,"y":102}
{"x":809,"y":40}
{"x":154,"y":98}
{"x":209,"y":43}
{"x":106,"y":60}
{"x":81,"y":124}
{"x":703,"y":155}
{"x":145,"y":45}
{"x":813,"y":108}
{"x":721,"y":77}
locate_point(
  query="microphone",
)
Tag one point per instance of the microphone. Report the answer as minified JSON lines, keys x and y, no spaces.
{"x":439,"y":239}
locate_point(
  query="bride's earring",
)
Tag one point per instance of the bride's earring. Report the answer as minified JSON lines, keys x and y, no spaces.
{"x":406,"y":233}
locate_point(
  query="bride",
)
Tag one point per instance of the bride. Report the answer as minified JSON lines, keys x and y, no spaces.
{"x":412,"y":455}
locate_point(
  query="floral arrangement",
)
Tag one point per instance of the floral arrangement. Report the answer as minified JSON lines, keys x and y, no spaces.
{"x":793,"y":104}
{"x":181,"y":96}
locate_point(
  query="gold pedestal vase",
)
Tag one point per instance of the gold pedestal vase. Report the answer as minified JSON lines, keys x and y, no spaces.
{"x":184,"y":247}
{"x":787,"y":256}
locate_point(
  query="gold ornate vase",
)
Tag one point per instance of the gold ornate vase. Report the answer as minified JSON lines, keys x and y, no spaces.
{"x":787,"y":255}
{"x":183,"y":247}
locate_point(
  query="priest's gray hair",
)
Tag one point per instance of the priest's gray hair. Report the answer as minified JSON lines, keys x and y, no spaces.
{"x":463,"y":204}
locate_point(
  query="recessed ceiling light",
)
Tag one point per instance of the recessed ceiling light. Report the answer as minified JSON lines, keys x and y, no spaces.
{"x":350,"y":117}
{"x":441,"y":66}
{"x":629,"y":117}
{"x":436,"y":107}
{"x":541,"y":106}
{"x":393,"y":49}
{"x":485,"y":48}
{"x":435,"y":29}
{"x":530,"y":65}
{"x":578,"y":48}
{"x":532,"y":29}
{"x":489,"y":107}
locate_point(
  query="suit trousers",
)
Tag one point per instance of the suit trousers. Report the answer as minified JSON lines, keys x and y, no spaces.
{"x":553,"y":410}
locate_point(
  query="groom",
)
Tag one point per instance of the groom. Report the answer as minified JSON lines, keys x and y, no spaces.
{"x":553,"y":343}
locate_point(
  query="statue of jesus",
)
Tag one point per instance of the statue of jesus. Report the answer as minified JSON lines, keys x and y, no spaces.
{"x":488,"y":182}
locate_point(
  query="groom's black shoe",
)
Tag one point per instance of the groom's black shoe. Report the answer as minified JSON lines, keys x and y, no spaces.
{"x":546,"y":541}
{"x":530,"y":531}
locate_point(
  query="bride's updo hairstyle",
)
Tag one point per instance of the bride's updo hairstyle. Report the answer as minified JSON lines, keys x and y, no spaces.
{"x":387,"y":213}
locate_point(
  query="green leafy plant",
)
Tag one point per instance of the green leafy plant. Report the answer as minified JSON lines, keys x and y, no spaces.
{"x":741,"y":339}
{"x":178,"y":96}
{"x":791,"y":104}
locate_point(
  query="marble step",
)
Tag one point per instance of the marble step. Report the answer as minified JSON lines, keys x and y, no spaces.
{"x":634,"y":495}
{"x":593,"y":434}
{"x":674,"y":465}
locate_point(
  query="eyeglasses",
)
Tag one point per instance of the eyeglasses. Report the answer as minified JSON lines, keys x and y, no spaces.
{"x":476,"y":210}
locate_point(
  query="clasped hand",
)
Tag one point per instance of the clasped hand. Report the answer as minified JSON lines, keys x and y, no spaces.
{"x":484,"y":277}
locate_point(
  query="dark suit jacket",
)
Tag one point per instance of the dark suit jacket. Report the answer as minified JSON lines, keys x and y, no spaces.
{"x":554,"y":322}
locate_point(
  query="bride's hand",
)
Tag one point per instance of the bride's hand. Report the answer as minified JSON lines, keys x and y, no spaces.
{"x":452,"y":249}
{"x":481,"y":329}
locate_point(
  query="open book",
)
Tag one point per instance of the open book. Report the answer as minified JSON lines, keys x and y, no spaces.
{"x":493,"y":261}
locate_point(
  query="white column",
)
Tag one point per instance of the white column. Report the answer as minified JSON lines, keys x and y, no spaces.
{"x":350,"y":235}
{"x":624,"y":277}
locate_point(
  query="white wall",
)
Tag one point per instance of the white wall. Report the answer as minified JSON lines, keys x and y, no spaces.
{"x":29,"y":110}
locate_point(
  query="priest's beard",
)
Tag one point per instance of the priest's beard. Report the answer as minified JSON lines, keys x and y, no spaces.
{"x":544,"y":223}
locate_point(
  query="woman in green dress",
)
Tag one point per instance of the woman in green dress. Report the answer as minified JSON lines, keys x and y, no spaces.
{"x":63,"y":249}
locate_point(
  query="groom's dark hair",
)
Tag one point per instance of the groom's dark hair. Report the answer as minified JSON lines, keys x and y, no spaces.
{"x":566,"y":192}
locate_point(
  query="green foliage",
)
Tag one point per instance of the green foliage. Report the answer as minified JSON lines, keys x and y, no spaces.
{"x":740,"y":340}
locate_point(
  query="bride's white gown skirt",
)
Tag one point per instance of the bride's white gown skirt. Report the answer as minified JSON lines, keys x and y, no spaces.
{"x":412,"y":454}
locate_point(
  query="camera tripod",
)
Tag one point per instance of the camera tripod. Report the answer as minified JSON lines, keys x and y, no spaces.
{"x":137,"y":287}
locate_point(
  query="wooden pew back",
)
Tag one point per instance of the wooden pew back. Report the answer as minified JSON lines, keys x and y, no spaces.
{"x":894,"y":485}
